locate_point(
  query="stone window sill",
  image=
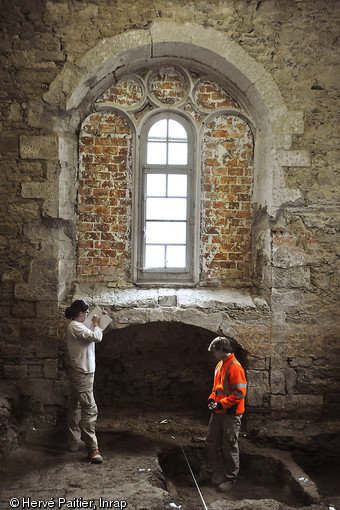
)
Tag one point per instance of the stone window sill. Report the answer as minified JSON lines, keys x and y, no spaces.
{"x":121,"y":301}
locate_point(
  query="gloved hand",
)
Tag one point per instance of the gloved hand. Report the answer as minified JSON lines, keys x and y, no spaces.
{"x":210,"y":404}
{"x":214,"y":406}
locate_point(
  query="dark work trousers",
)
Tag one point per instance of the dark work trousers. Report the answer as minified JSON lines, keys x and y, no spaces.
{"x":82,"y":411}
{"x":222,"y":441}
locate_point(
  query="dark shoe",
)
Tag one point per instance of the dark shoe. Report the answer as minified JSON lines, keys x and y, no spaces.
{"x":74,"y":447}
{"x":95,"y":457}
{"x":226,"y":486}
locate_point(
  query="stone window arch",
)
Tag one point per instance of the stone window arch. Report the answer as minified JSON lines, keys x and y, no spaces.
{"x":111,"y":187}
{"x":72,"y":97}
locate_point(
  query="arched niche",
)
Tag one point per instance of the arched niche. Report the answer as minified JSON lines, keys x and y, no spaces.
{"x":158,"y":366}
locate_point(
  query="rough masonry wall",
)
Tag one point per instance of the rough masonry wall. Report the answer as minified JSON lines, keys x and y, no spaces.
{"x":43,"y":45}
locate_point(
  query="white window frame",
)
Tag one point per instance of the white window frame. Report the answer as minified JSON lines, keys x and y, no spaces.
{"x":187,"y":275}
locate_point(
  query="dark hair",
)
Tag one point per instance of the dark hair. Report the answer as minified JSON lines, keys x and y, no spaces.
{"x":221,"y":343}
{"x":78,"y":306}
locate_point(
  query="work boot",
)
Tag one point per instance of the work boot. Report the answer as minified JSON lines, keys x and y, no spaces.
{"x":95,"y":457}
{"x":226,"y":486}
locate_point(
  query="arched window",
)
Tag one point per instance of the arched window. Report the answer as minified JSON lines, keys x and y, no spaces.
{"x":166,"y":199}
{"x":165,"y":184}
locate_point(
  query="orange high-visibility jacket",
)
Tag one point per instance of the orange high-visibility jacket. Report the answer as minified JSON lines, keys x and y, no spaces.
{"x":230,"y":385}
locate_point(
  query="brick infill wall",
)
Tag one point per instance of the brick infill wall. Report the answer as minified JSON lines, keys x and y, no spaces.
{"x":104,"y":199}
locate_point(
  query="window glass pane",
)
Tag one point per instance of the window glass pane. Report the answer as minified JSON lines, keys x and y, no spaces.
{"x":175,"y":256}
{"x":165,"y":232}
{"x":158,"y":130}
{"x":156,"y":153}
{"x":165,"y":197}
{"x":166,"y":208}
{"x":178,"y":153}
{"x":156,"y":185}
{"x":154,"y":256}
{"x":176,"y":130}
{"x":177,"y":185}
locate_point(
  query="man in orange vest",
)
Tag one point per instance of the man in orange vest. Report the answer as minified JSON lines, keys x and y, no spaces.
{"x":227,"y":404}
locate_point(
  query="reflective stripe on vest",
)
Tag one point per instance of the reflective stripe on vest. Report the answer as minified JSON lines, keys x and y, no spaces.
{"x":222,"y":392}
{"x":218,"y":367}
{"x":237,"y":393}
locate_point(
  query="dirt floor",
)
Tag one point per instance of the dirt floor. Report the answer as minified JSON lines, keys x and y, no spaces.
{"x":42,"y":474}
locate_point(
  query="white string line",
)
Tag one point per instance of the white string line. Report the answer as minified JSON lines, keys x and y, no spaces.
{"x":193,"y":476}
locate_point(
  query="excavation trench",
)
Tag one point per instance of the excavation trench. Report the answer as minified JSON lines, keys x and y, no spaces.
{"x":176,"y":441}
{"x":145,"y":466}
{"x":264,"y":475}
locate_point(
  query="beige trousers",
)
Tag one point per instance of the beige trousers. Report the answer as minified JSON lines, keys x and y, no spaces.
{"x":82,"y":412}
{"x":221,"y":446}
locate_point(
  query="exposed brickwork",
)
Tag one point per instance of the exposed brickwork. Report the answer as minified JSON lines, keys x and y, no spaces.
{"x":126,"y":93}
{"x":226,"y":191}
{"x":209,"y":95}
{"x":104,"y":199}
{"x":189,"y":108}
{"x":168,"y":86}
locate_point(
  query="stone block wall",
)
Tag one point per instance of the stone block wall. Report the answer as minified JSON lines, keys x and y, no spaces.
{"x":280,"y":62}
